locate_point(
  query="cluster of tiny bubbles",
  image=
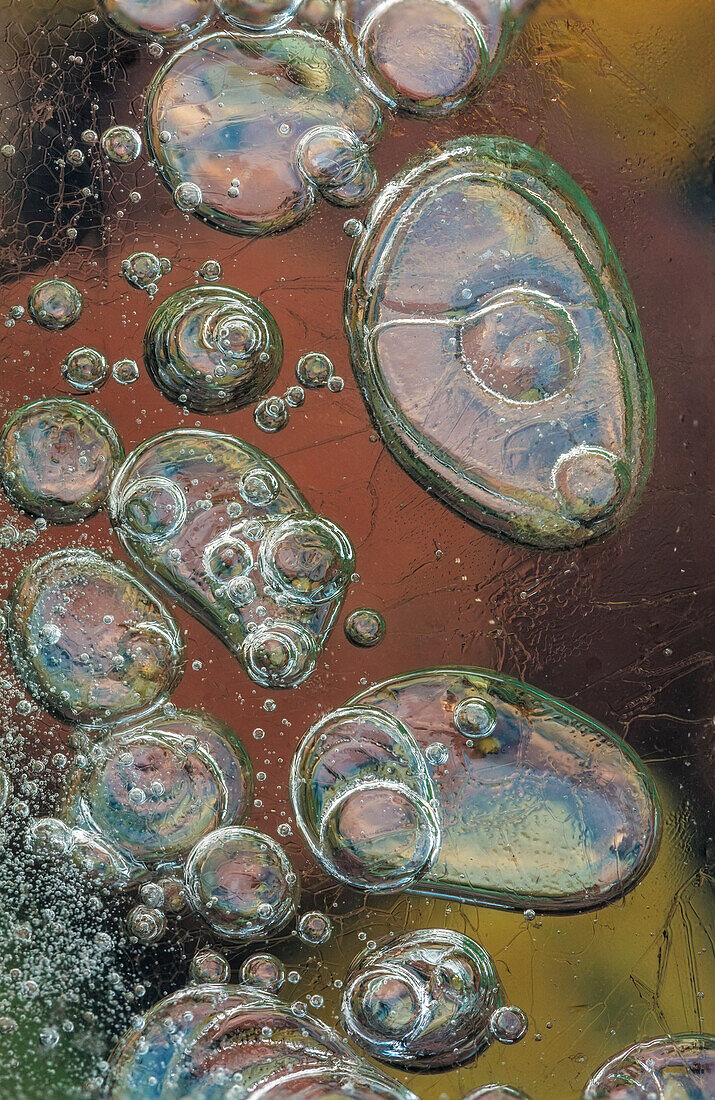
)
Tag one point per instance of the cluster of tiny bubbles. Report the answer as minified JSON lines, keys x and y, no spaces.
{"x":85,"y":369}
{"x":271,"y":414}
{"x":121,"y":144}
{"x":209,"y":965}
{"x":364,"y":800}
{"x":315,"y":927}
{"x":144,"y":270}
{"x":364,"y":627}
{"x":57,"y":459}
{"x":54,"y":303}
{"x":187,"y":196}
{"x":475,"y":717}
{"x":426,"y":1000}
{"x":210,"y":270}
{"x":242,"y":883}
{"x":125,"y":371}
{"x":263,"y":971}
{"x":497,"y":1092}
{"x":314,"y":370}
{"x":145,"y":924}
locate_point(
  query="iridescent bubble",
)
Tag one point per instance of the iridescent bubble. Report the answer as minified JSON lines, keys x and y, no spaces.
{"x":89,"y":641}
{"x":546,"y":811}
{"x":423,"y":1001}
{"x":364,"y":627}
{"x":187,"y":196}
{"x":271,"y":414}
{"x":264,"y":972}
{"x":212,"y":349}
{"x":125,"y":371}
{"x":282,"y":113}
{"x":171,"y":20}
{"x":209,"y":965}
{"x":211,"y":1041}
{"x":121,"y":144}
{"x":55,"y":304}
{"x":258,"y":15}
{"x":57,"y":459}
{"x":153,"y":791}
{"x":427,"y":57}
{"x":86,"y":369}
{"x":221,"y":526}
{"x":542,"y":425}
{"x":315,"y":927}
{"x":242,"y":883}
{"x":362,"y":798}
{"x":210,"y":270}
{"x":144,"y":269}
{"x":147,"y":925}
{"x":314,"y":370}
{"x":508,"y":1024}
{"x":674,"y":1065}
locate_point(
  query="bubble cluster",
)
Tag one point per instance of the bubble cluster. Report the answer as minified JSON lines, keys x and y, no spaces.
{"x":151,"y":792}
{"x":121,"y":144}
{"x":144,"y":270}
{"x":364,"y":627}
{"x":171,"y":20}
{"x":57,"y":459}
{"x":85,"y":369}
{"x":270,"y":123}
{"x":674,"y":1065}
{"x":363,"y":800}
{"x":239,"y":1042}
{"x":542,"y":425}
{"x":209,"y":965}
{"x":55,"y":303}
{"x":212,"y":349}
{"x":89,"y":641}
{"x":468,"y":784}
{"x":264,"y":972}
{"x":220,"y":525}
{"x":423,"y":1001}
{"x":242,"y":883}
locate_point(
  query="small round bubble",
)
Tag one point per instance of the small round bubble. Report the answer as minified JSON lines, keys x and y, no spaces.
{"x":187,"y":196}
{"x":315,"y":927}
{"x":85,"y":369}
{"x":55,"y":304}
{"x":475,"y":717}
{"x":121,"y":144}
{"x":125,"y":371}
{"x":508,"y":1024}
{"x":148,"y":925}
{"x":314,"y":370}
{"x":271,"y":414}
{"x":263,"y":971}
{"x":209,"y":965}
{"x":364,"y":627}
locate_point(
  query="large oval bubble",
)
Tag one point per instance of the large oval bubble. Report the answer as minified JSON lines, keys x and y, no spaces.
{"x":496,"y":342}
{"x":426,"y":1000}
{"x":261,"y":126}
{"x":225,"y":530}
{"x":210,"y":1042}
{"x":537,"y":805}
{"x":674,"y":1065}
{"x":212,"y":349}
{"x":89,"y":641}
{"x":153,"y":791}
{"x":57,"y":459}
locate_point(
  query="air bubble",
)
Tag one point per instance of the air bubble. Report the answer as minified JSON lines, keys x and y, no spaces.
{"x":315,"y":927}
{"x":364,"y":627}
{"x":209,"y":965}
{"x":121,"y":144}
{"x":314,"y":370}
{"x":271,"y":414}
{"x":264,"y":972}
{"x":55,"y":304}
{"x":85,"y":369}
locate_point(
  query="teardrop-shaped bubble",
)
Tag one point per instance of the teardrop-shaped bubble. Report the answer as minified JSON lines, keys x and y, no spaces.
{"x":57,"y":459}
{"x":422,"y":1001}
{"x":153,"y":791}
{"x":223,"y":528}
{"x":210,"y":1042}
{"x":212,"y":349}
{"x":172,"y":20}
{"x":242,"y":883}
{"x":496,"y":342}
{"x":549,"y":810}
{"x":675,"y":1065}
{"x":238,"y":109}
{"x":363,"y":800}
{"x":89,"y":640}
